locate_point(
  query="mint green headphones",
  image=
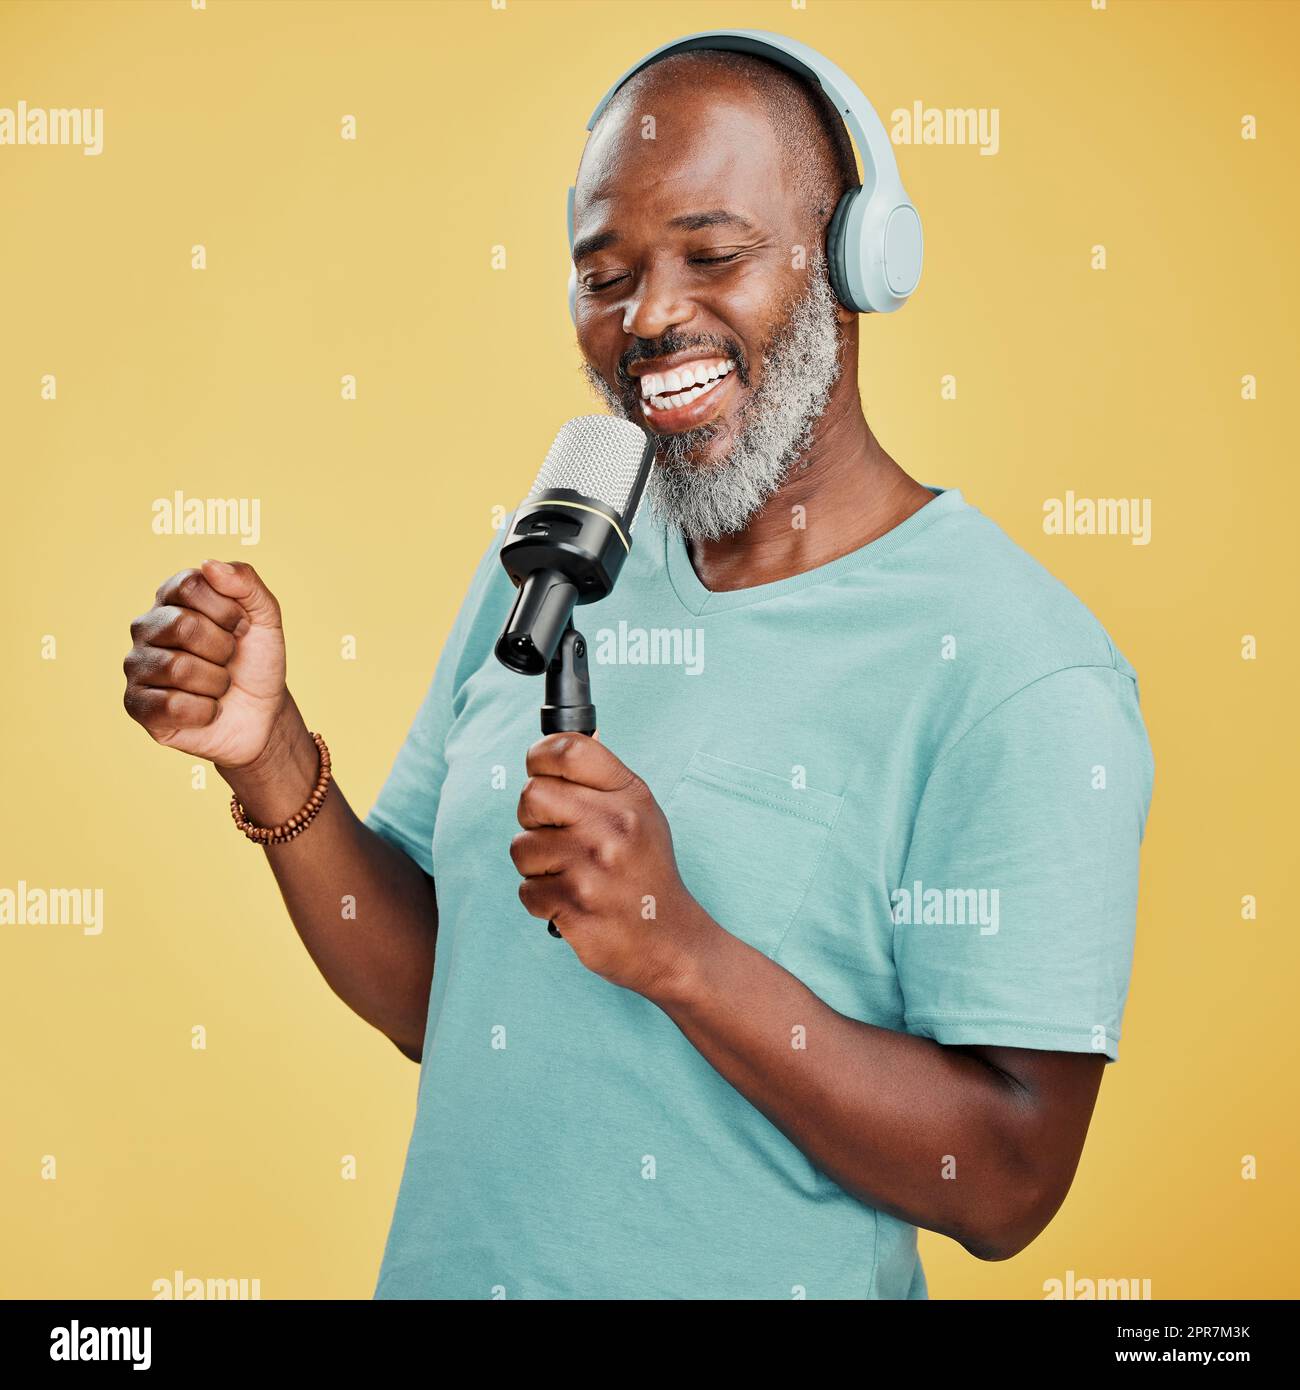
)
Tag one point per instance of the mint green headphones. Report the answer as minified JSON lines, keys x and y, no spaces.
{"x":873,"y":244}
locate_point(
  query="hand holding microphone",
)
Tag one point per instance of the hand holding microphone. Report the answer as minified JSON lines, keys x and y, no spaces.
{"x":596,"y":853}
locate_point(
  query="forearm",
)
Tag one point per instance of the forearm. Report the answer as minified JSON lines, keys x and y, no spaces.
{"x":365,"y":911}
{"x":931,"y":1135}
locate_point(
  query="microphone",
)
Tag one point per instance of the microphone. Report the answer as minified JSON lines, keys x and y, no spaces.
{"x":570,"y":536}
{"x":566,"y":545}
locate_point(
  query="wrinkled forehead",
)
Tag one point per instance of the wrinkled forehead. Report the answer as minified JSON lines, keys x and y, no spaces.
{"x":669,"y":150}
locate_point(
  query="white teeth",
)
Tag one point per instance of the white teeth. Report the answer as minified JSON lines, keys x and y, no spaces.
{"x":678,"y":399}
{"x":702,"y":373}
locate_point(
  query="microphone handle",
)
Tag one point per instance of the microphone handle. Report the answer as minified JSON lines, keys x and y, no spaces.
{"x":550,"y":926}
{"x":568,"y":707}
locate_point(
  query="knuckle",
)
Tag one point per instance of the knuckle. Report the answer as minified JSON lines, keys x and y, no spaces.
{"x":247,"y":572}
{"x":185,"y":626}
{"x":189,"y":583}
{"x":136,"y":703}
{"x":179,"y":666}
{"x":627,"y":821}
{"x":580,"y":895}
{"x":607,"y":852}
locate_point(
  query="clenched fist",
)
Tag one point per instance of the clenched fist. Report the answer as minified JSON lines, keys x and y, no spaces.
{"x":206,"y":673}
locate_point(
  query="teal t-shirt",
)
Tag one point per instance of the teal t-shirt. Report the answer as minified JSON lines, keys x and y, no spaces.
{"x":916,"y":777}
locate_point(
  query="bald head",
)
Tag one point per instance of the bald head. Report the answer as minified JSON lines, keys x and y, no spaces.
{"x":816,"y":154}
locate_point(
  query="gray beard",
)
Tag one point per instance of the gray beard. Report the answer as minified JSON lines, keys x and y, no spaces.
{"x":800,"y":366}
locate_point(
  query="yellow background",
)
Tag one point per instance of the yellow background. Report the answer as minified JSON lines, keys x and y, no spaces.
{"x":373,"y":257}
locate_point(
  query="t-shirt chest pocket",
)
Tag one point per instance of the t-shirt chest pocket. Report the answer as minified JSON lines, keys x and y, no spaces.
{"x":748,"y":844}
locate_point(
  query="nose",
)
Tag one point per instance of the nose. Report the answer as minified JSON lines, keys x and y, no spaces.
{"x":657,"y":305}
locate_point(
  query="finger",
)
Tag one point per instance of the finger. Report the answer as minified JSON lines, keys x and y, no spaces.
{"x":537,"y":853}
{"x":553,"y":801}
{"x":173,"y":669}
{"x":189,"y":589}
{"x":544,"y":896}
{"x":241,"y":582}
{"x":186,"y":629}
{"x":577,"y":758}
{"x":169,"y":709}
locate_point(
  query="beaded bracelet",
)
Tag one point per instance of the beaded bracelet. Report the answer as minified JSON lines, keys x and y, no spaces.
{"x":297,"y":823}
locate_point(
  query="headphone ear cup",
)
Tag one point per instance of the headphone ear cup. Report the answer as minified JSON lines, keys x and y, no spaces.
{"x":835,"y":263}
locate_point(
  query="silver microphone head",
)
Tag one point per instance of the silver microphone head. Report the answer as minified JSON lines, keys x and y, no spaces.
{"x":603,"y":457}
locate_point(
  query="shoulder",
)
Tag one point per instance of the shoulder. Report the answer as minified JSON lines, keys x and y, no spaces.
{"x":998,"y":621}
{"x":1021,"y":616}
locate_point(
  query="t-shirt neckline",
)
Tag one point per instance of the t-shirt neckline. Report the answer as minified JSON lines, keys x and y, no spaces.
{"x":699,"y":600}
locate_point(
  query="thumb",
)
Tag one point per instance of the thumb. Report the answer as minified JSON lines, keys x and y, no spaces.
{"x":242,"y":583}
{"x":595,"y":733}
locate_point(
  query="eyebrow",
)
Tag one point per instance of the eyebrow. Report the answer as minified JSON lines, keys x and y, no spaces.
{"x":716,"y":217}
{"x":686,"y":221}
{"x":589,"y":245}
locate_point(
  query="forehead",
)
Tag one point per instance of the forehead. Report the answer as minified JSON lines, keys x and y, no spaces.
{"x":672,"y":149}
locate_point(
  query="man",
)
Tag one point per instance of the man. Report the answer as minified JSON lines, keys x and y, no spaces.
{"x":847,"y":898}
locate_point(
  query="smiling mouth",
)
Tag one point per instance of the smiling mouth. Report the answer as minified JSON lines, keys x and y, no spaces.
{"x":675,"y":398}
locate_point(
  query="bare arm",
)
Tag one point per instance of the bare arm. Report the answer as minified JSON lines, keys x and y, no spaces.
{"x":978,"y":1143}
{"x":206,"y":675}
{"x":380,"y":963}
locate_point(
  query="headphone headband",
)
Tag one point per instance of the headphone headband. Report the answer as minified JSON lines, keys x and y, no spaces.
{"x":879,"y":165}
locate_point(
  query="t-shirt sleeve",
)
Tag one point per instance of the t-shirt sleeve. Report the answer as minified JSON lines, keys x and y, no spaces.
{"x":1014,"y":921}
{"x":407,"y":805}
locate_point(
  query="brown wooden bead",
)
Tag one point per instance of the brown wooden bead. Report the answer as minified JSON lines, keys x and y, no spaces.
{"x":293,"y":827}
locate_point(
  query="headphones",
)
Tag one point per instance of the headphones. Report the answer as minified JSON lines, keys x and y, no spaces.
{"x":873,"y":243}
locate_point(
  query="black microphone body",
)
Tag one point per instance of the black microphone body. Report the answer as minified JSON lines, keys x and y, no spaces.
{"x":562,"y":549}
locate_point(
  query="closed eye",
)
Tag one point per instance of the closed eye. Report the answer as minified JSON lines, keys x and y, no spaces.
{"x":694,"y":260}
